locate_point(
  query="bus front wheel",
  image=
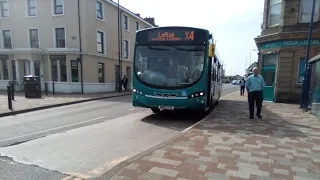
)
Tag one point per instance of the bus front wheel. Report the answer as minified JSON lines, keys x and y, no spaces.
{"x":155,"y":110}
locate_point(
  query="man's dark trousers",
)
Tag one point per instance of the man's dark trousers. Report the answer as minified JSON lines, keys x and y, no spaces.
{"x":255,"y":96}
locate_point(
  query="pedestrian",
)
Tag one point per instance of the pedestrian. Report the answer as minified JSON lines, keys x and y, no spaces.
{"x":255,"y":86}
{"x":125,"y":82}
{"x":242,"y":86}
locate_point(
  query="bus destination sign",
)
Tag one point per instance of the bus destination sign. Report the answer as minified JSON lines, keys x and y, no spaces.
{"x":173,"y":35}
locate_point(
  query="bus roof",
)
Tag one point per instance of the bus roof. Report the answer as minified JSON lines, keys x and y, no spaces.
{"x":172,"y":27}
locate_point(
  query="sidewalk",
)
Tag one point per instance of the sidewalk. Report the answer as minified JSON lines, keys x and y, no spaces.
{"x":22,"y":104}
{"x":227,"y":145}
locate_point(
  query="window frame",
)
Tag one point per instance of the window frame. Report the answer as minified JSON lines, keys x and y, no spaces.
{"x":28,"y":8}
{"x":298,"y":68}
{"x":30,"y":39}
{"x":126,"y":49}
{"x":54,"y":8}
{"x":137,"y":26}
{"x":103,"y":72}
{"x":103,"y":36}
{"x":316,"y":18}
{"x":102,"y":11}
{"x":2,"y":9}
{"x":269,"y":18}
{"x":56,"y":38}
{"x":3,"y":38}
{"x":126,"y":22}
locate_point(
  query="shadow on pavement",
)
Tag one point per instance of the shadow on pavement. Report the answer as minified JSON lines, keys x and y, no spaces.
{"x":178,"y":120}
{"x":232,"y":116}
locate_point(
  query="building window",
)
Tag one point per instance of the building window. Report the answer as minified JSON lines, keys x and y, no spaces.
{"x":302,"y":65}
{"x":275,"y":12}
{"x":7,"y":41}
{"x":137,"y":26}
{"x":58,"y":68}
{"x":32,"y":8}
{"x":101,"y":72}
{"x":14,"y":70}
{"x":60,"y":36}
{"x":100,"y":42}
{"x":58,"y":7}
{"x":63,"y":70}
{"x":306,"y":11}
{"x":125,"y":25}
{"x":270,"y":59}
{"x":34,"y":38}
{"x":4,"y":8}
{"x":37,"y":71}
{"x":5,"y":69}
{"x":54,"y":69}
{"x":74,"y":71}
{"x":99,"y":9}
{"x":126,"y":49}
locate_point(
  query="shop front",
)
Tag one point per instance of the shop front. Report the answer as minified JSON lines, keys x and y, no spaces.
{"x":315,"y":85}
{"x":282,"y":64}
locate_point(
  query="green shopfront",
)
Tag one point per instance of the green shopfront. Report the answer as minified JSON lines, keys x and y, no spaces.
{"x":282,"y":65}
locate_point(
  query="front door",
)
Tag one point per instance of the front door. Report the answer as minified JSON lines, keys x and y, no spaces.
{"x":269,"y":78}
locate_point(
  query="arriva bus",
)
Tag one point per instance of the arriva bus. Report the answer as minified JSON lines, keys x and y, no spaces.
{"x":176,"y":68}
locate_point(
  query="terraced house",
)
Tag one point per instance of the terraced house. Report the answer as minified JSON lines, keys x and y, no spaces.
{"x":282,"y":46}
{"x":53,"y":39}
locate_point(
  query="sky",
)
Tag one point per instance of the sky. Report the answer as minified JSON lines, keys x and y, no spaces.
{"x":233,"y":23}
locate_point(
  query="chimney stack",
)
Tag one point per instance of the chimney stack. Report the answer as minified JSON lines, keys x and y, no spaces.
{"x":151,"y":21}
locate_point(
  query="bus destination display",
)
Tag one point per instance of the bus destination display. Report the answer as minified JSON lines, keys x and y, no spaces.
{"x":171,"y":35}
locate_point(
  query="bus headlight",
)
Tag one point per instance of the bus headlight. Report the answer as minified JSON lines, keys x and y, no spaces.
{"x":196,"y":94}
{"x":136,"y":91}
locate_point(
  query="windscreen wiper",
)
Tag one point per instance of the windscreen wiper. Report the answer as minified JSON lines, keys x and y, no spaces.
{"x":160,"y":49}
{"x":189,"y":50}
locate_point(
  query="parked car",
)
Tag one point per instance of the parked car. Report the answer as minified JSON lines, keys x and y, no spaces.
{"x":236,"y":82}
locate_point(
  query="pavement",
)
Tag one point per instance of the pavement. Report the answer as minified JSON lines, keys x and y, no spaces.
{"x":285,"y":144}
{"x":22,"y":104}
{"x":83,"y":140}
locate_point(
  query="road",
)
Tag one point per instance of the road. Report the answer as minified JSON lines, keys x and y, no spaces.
{"x":84,"y":140}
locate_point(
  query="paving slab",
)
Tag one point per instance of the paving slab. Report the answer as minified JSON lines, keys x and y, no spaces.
{"x":285,"y":144}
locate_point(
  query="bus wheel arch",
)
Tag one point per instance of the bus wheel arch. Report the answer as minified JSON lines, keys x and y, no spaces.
{"x":155,"y":110}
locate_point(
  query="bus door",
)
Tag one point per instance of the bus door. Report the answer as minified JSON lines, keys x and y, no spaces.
{"x":209,"y":76}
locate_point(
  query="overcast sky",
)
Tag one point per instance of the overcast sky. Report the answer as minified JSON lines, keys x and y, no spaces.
{"x":234,"y":23}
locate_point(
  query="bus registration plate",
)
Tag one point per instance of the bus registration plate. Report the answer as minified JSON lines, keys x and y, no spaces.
{"x":166,"y":107}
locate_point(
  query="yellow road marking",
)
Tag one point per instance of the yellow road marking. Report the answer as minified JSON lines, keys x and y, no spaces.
{"x":116,"y":161}
{"x":82,"y":176}
{"x":96,"y":171}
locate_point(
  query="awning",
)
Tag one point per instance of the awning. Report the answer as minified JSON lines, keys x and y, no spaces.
{"x":314,"y":59}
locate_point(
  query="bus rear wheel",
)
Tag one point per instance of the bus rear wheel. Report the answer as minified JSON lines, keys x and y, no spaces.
{"x":155,"y":110}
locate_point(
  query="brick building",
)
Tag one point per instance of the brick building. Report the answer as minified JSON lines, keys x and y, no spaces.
{"x":282,"y":47}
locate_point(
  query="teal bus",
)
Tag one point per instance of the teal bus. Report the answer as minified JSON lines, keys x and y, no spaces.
{"x":176,"y":68}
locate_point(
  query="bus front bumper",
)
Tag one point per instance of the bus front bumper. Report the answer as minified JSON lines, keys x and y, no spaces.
{"x":198,"y":103}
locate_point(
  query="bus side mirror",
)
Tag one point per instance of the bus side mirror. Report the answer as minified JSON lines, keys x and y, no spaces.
{"x":211,"y":50}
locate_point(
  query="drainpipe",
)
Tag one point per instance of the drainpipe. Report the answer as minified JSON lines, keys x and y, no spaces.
{"x":80,"y":46}
{"x":119,"y":49}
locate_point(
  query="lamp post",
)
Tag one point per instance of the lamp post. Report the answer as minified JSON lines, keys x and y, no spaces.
{"x":119,"y":49}
{"x":307,"y":72}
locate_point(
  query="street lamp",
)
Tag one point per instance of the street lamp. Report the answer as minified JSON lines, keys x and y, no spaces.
{"x":250,"y":55}
{"x":307,"y":72}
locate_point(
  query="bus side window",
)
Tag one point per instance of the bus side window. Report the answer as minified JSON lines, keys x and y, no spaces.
{"x":213,"y":72}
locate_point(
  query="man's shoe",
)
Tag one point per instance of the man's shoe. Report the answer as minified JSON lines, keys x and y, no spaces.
{"x":259,"y":116}
{"x":251,"y":117}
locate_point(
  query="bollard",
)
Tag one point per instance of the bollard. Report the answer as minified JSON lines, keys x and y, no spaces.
{"x":9,"y":97}
{"x":53,"y":88}
{"x":12,"y":91}
{"x":46,"y":88}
